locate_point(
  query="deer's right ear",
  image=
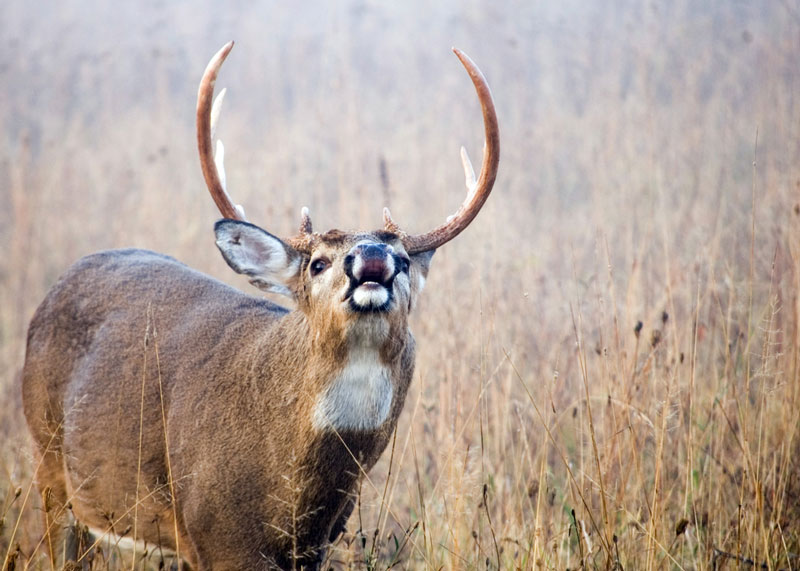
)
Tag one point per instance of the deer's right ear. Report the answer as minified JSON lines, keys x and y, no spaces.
{"x":271,"y":264}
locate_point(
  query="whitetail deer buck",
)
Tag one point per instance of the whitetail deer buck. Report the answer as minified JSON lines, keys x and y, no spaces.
{"x":168,"y":407}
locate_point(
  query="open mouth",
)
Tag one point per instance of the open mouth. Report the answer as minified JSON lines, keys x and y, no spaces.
{"x":372,"y":289}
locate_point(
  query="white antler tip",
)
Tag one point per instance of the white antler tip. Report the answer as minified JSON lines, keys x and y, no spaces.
{"x":469,"y":173}
{"x":216,"y":107}
{"x":305,"y":221}
{"x":219,"y":162}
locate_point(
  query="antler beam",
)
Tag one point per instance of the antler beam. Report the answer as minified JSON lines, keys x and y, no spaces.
{"x":478,"y":190}
{"x":208,"y":110}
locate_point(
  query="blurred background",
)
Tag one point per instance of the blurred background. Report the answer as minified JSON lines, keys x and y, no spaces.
{"x":649,"y":172}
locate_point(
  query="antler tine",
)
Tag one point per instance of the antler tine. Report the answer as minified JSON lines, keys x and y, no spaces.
{"x":478,"y":190}
{"x":304,"y":240}
{"x":207,"y":113}
{"x":305,"y":221}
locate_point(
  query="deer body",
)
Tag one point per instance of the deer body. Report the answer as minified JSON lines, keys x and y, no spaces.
{"x":251,"y":438}
{"x":168,"y":407}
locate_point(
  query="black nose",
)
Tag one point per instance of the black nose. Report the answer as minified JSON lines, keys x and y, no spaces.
{"x":370,"y":263}
{"x":373,"y":251}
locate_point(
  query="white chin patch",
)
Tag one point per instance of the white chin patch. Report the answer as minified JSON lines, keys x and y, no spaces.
{"x":370,"y":294}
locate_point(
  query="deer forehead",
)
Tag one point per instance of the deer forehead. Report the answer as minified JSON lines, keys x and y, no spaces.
{"x":336,"y":243}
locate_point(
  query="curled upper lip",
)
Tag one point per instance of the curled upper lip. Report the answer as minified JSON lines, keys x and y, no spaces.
{"x":373,"y":270}
{"x":369,"y":267}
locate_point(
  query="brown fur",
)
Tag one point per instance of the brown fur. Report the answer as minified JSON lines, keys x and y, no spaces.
{"x":166,"y":403}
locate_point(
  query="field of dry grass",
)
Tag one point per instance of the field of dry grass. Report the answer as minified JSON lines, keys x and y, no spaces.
{"x":607,"y":371}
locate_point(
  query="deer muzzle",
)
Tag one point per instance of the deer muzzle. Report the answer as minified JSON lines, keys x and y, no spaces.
{"x":371,"y":269}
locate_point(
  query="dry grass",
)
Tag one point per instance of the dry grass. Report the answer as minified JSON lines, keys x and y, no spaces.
{"x":608,"y":369}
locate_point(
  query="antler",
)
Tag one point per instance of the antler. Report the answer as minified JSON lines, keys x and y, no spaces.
{"x":208,"y":109}
{"x":477,"y":190}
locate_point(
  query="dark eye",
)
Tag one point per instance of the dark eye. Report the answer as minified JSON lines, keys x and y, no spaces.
{"x":402,"y":264}
{"x":318,"y":266}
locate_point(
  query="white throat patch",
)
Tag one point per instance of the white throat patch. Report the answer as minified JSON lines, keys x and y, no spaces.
{"x":359,"y":398}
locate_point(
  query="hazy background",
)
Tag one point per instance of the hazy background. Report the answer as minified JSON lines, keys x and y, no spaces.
{"x":627,"y":185}
{"x":626,"y":122}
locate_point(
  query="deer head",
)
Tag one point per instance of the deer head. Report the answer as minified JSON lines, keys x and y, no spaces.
{"x":338,"y":276}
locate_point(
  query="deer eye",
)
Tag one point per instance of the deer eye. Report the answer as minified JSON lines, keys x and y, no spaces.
{"x":402,"y":264}
{"x":318,"y":266}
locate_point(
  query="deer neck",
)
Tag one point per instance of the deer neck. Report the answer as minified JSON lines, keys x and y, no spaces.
{"x":358,"y":393}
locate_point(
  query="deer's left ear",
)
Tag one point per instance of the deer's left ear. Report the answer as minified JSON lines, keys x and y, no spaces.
{"x":423,"y":260}
{"x":420,"y":264}
{"x":271,"y":264}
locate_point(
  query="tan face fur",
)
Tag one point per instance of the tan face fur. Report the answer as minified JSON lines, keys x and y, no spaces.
{"x":344,"y":278}
{"x":355,"y":291}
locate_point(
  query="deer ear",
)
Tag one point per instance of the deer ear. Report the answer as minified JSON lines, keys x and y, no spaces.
{"x":271,"y":264}
{"x":420,"y":264}
{"x":422,"y":261}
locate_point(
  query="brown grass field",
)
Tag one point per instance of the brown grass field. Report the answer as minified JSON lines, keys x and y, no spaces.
{"x":607,"y":372}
